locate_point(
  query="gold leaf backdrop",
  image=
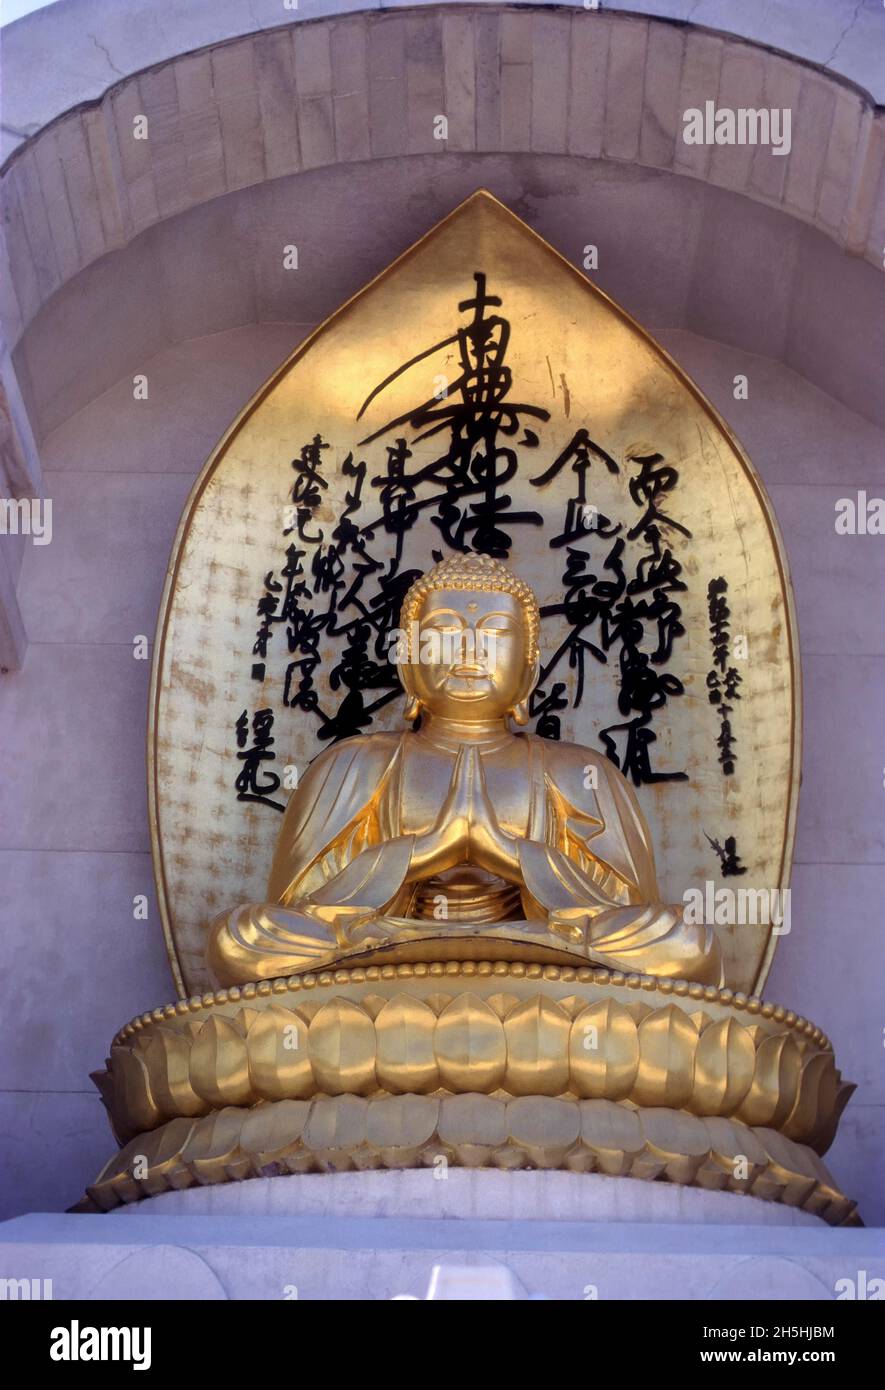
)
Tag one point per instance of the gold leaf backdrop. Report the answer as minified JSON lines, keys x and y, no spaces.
{"x":619,"y":417}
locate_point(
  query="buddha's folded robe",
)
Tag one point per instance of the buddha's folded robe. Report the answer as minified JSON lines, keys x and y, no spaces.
{"x":264,"y":941}
{"x":341,"y":870}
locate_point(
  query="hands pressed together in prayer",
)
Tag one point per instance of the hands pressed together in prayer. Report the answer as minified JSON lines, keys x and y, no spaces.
{"x":467,"y":829}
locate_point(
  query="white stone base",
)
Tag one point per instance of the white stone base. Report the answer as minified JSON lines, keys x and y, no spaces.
{"x":472,"y":1194}
{"x":387,"y":1235}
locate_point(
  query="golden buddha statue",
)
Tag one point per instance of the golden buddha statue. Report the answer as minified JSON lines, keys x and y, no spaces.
{"x":462,"y":954}
{"x":463,"y":829}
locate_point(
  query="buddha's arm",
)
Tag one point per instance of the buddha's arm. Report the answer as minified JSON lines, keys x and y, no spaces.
{"x":329,"y":818}
{"x":559,"y":870}
{"x":596,"y":848}
{"x":602,"y":891}
{"x":341,"y":853}
{"x":340,"y":861}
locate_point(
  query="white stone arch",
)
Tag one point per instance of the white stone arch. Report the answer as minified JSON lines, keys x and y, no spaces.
{"x":227,"y":110}
{"x":349,"y":87}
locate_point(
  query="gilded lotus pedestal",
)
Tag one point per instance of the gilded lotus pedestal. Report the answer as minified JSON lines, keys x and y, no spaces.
{"x":483,"y":1064}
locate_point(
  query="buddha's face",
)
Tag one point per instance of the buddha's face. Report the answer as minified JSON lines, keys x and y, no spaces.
{"x":470,"y":659}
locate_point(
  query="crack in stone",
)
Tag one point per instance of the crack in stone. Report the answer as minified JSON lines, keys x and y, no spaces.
{"x":842,"y":37}
{"x":101,"y":48}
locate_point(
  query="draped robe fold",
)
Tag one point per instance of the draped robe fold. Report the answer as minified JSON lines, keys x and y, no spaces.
{"x":339,"y":878}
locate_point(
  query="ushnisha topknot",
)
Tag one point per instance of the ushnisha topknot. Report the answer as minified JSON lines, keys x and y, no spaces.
{"x":484,"y":574}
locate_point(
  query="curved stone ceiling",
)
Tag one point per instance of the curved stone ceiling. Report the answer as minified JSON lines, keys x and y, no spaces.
{"x":103,"y":41}
{"x":367,"y":86}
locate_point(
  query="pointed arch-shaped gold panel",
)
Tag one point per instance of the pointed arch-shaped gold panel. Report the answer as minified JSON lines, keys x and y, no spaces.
{"x":480,"y":393}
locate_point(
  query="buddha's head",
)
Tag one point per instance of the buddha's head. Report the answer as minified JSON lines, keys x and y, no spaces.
{"x":471,"y":641}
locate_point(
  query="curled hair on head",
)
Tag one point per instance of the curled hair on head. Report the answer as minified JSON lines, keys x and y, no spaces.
{"x":484,"y":574}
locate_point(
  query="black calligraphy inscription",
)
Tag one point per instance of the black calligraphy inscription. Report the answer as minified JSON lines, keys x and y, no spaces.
{"x":729,"y":858}
{"x":722,"y":679}
{"x":337,"y":596}
{"x":604,"y":609}
{"x":248,"y":785}
{"x":308,"y":489}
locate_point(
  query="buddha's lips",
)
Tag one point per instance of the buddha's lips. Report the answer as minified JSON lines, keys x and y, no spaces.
{"x":473,"y":692}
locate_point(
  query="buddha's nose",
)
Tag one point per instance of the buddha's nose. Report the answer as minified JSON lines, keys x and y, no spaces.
{"x":469,"y":656}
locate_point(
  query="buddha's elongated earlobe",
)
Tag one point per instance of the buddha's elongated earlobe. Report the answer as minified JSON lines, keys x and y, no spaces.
{"x":413,"y":705}
{"x":520,"y":712}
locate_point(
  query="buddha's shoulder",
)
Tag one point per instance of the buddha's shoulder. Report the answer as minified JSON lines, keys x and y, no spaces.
{"x":371,"y":750}
{"x":570,"y":765}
